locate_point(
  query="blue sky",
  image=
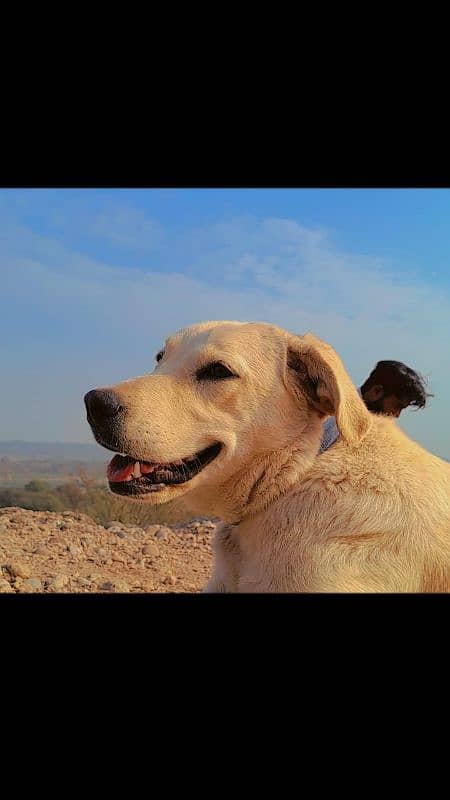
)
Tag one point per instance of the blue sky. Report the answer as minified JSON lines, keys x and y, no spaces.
{"x":93,"y":280}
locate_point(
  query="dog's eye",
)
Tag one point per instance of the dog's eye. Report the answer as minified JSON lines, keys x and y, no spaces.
{"x":159,"y":355}
{"x":214,"y":372}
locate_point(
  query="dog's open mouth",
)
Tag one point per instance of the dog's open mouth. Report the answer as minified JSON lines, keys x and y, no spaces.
{"x":131,"y":477}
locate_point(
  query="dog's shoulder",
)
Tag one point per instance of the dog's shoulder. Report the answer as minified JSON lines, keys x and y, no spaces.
{"x":387,"y":484}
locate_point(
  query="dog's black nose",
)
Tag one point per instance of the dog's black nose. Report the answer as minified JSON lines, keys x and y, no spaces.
{"x":102,"y":404}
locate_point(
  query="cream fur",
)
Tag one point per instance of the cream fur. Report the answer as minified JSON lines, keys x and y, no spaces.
{"x":372,"y":514}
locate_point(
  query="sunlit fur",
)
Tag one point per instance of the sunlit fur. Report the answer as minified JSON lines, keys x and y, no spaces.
{"x":371,"y":514}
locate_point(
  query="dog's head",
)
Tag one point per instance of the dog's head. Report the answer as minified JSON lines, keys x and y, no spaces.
{"x":221,"y":395}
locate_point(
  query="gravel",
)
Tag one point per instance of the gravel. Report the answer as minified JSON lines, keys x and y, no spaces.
{"x":60,"y":553}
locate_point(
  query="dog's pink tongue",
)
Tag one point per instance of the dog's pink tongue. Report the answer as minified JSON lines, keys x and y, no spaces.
{"x":121,"y":469}
{"x":117,"y":471}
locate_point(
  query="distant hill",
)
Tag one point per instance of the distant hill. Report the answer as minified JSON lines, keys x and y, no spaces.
{"x":54,"y":451}
{"x":58,"y":451}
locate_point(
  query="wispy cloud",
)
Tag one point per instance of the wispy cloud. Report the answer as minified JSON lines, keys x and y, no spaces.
{"x":93,"y":319}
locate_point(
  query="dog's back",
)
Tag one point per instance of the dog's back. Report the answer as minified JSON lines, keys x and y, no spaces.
{"x":375,"y":517}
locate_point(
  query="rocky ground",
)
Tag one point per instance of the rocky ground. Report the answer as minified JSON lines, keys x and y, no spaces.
{"x":42,"y":551}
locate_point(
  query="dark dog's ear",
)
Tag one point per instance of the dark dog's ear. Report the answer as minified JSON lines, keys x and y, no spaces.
{"x":315,"y":370}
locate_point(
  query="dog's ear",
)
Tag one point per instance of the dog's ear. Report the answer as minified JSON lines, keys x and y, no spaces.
{"x":315,"y":370}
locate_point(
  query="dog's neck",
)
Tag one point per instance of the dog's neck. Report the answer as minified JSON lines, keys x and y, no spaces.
{"x":263,"y":480}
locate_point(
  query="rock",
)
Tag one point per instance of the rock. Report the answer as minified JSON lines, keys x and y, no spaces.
{"x":152,"y":530}
{"x":58,"y":582}
{"x":18,"y":570}
{"x":170,"y":579}
{"x":121,"y":586}
{"x":163,"y":533}
{"x":116,"y":585}
{"x":74,"y":550}
{"x":5,"y":587}
{"x":195,"y":524}
{"x":58,"y":539}
{"x":150,"y":549}
{"x":113,"y":524}
{"x":101,"y":552}
{"x":32,"y":585}
{"x":120,"y":533}
{"x":41,"y":550}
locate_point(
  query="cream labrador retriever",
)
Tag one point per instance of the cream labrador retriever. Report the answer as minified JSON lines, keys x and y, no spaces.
{"x":231,"y":417}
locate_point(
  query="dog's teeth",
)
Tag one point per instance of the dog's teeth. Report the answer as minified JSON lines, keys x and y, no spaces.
{"x":136,"y":470}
